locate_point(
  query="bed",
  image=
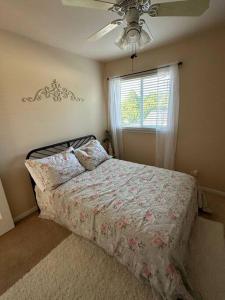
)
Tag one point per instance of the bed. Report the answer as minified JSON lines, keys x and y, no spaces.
{"x":141,"y":215}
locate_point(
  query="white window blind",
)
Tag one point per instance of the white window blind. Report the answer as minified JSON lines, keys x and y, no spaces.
{"x":145,"y":99}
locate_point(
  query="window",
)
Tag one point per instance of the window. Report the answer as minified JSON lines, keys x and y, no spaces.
{"x":145,"y":99}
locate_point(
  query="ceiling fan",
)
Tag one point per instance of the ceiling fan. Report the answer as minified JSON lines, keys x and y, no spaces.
{"x":130,"y":11}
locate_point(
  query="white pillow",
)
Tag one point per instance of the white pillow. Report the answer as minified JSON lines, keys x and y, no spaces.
{"x":91,"y":154}
{"x":51,"y":171}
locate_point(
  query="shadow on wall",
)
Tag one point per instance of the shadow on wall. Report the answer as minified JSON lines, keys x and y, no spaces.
{"x":139,"y":146}
{"x":17,"y":184}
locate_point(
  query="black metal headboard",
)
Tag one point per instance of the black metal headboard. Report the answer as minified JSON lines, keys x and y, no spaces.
{"x":56,"y":148}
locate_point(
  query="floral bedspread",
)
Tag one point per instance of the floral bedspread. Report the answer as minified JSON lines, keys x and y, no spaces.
{"x":140,"y":214}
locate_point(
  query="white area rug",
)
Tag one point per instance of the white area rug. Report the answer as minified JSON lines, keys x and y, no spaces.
{"x":207,"y":259}
{"x":77,"y":269}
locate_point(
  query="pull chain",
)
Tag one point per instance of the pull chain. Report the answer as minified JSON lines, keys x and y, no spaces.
{"x":133,"y":56}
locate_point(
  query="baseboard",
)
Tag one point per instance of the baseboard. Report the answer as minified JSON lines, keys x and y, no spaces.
{"x":212,"y":191}
{"x":25,"y":214}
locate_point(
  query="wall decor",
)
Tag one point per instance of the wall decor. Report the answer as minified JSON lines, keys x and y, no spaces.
{"x":54,"y":91}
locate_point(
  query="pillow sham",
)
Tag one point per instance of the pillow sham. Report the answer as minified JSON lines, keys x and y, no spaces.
{"x":49,"y":172}
{"x":91,"y":155}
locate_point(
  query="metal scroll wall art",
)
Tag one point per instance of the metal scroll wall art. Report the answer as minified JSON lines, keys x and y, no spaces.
{"x":54,"y":91}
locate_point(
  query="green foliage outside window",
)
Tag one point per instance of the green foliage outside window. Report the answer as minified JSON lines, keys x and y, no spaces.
{"x":131,"y":110}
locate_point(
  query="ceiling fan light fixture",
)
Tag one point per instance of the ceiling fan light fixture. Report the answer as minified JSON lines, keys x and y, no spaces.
{"x":121,"y":42}
{"x":145,"y":38}
{"x":128,"y":40}
{"x":133,"y":35}
{"x":133,"y":39}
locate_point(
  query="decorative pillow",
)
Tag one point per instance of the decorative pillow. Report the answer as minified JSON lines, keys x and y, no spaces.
{"x":51,"y":171}
{"x":91,"y":154}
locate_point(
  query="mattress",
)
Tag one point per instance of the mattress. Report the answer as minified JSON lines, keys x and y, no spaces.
{"x":141,"y":215}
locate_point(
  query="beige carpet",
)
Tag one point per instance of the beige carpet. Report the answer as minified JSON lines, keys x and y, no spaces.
{"x":77,"y":269}
{"x":25,"y":246}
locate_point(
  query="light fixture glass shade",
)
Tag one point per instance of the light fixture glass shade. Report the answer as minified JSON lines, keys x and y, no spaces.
{"x":133,"y":36}
{"x":133,"y":39}
{"x":121,"y":42}
{"x":145,"y":38}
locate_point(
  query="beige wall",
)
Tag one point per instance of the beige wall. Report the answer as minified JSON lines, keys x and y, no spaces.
{"x":201,"y":137}
{"x":26,"y":66}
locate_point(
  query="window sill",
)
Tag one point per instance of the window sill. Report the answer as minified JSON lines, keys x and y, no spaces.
{"x":141,"y":130}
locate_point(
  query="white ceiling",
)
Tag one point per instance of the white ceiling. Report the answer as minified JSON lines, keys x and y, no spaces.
{"x":68,"y":28}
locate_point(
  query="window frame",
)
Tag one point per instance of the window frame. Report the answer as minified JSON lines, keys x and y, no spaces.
{"x":139,"y":129}
{"x":144,"y":129}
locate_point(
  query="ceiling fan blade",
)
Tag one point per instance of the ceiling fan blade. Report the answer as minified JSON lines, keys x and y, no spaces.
{"x":105,"y":30}
{"x":105,"y":5}
{"x":179,"y":8}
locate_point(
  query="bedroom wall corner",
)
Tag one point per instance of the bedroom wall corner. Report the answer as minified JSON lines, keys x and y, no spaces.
{"x":25,"y":67}
{"x":201,"y":143}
